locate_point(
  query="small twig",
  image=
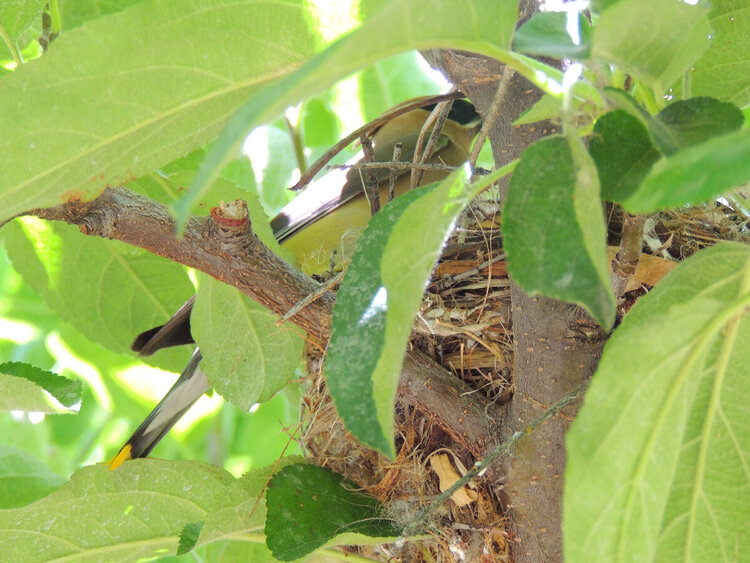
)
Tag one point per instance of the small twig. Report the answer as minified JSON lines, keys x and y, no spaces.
{"x":368,"y":128}
{"x":310,"y":297}
{"x":391,"y":165}
{"x":370,"y":180}
{"x":438,"y":117}
{"x":484,"y":463}
{"x":492,"y":114}
{"x":299,"y":149}
{"x":393,"y":176}
{"x":626,"y":260}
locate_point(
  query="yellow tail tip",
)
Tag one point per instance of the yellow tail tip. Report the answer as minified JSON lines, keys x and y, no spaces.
{"x":122,"y":456}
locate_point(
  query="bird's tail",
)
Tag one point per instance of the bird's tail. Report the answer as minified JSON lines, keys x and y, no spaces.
{"x":191,"y":384}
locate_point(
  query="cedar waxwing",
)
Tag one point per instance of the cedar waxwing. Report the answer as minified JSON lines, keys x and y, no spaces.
{"x":311,"y":226}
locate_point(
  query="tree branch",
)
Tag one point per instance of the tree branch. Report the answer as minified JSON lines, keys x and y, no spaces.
{"x":224,"y":246}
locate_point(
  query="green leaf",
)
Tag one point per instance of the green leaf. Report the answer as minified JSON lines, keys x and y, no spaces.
{"x":135,"y":89}
{"x":546,"y":108}
{"x":484,"y":26}
{"x":134,"y":512}
{"x":655,"y":40}
{"x":78,"y":12}
{"x":358,"y":331}
{"x":546,"y":34}
{"x":189,"y":537}
{"x":24,"y":478}
{"x":724,"y":69}
{"x":66,"y":391}
{"x":308,"y":506}
{"x":15,"y":18}
{"x":689,"y":122}
{"x":107,"y":290}
{"x":694,"y":175}
{"x":657,"y":456}
{"x":623,"y":153}
{"x":389,"y":82}
{"x":246,"y":357}
{"x":553,"y":230}
{"x":375,"y":306}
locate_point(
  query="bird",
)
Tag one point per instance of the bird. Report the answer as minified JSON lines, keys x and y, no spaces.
{"x":312,"y":226}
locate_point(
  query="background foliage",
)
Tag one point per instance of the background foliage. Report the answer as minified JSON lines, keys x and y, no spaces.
{"x":136,"y":93}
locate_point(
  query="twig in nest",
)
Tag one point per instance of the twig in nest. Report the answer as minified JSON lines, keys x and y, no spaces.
{"x":438,"y":116}
{"x":370,"y":181}
{"x":393,"y":176}
{"x":494,"y":111}
{"x":368,"y":129}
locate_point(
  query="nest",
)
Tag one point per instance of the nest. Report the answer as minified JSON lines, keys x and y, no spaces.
{"x":464,"y":323}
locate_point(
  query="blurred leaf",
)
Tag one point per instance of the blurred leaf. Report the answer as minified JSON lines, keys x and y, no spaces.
{"x":546,"y":108}
{"x":722,"y":71}
{"x":132,"y":90}
{"x":308,"y":506}
{"x":654,"y":40}
{"x":396,"y":28}
{"x":391,"y":81}
{"x":553,"y":229}
{"x":134,"y":512}
{"x":66,"y":391}
{"x":246,"y":357}
{"x":623,"y":153}
{"x":108,"y":290}
{"x":546,"y":34}
{"x":24,"y":478}
{"x":694,"y":175}
{"x":78,"y":12}
{"x":657,"y":456}
{"x":689,"y":122}
{"x":16,"y":17}
{"x":320,"y":126}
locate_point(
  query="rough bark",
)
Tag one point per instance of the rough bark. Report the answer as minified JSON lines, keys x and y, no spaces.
{"x":553,"y":353}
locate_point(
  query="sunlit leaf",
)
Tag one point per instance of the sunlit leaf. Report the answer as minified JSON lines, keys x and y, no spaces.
{"x":657,"y":457}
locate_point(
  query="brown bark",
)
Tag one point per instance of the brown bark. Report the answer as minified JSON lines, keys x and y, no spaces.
{"x":551,"y":355}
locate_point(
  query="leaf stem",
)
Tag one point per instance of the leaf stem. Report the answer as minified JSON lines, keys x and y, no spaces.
{"x":11,"y":46}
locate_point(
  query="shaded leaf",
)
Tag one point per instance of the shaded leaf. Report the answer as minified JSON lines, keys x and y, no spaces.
{"x":655,"y":40}
{"x":546,"y":34}
{"x":308,"y":506}
{"x":553,"y":229}
{"x":689,"y":122}
{"x":24,"y":478}
{"x":247,"y":358}
{"x":623,"y":153}
{"x":694,"y":175}
{"x":137,"y":88}
{"x":188,"y":537}
{"x":657,"y":456}
{"x":374,"y":313}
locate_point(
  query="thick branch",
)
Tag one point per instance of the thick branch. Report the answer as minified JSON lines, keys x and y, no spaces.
{"x":227,"y":249}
